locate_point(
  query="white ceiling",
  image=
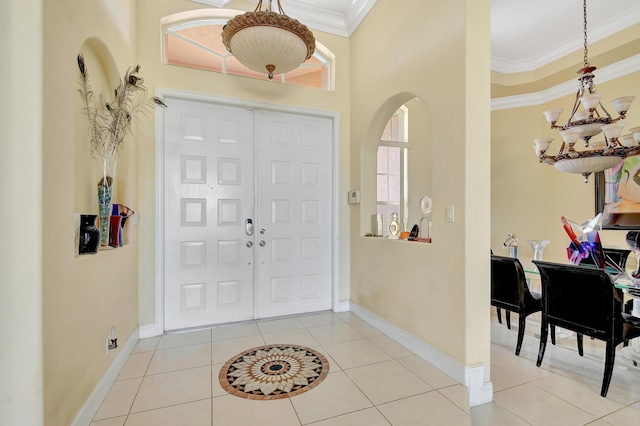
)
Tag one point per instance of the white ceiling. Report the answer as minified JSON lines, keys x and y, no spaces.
{"x":525,"y":34}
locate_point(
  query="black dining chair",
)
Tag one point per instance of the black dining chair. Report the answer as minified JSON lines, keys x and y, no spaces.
{"x":583,"y":299}
{"x":510,"y":291}
{"x":618,"y":256}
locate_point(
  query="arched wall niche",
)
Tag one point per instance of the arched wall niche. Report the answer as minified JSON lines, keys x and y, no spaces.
{"x":419,"y":156}
{"x":104,"y":77}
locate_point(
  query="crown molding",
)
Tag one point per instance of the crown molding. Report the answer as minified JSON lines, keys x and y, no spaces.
{"x":608,"y":73}
{"x":214,"y":3}
{"x":596,"y":34}
{"x":332,"y":22}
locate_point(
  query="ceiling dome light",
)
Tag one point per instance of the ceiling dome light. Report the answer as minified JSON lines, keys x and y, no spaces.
{"x":268,"y":42}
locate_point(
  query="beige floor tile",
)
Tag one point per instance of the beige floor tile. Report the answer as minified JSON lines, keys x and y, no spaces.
{"x":571,"y":387}
{"x":176,"y":387}
{"x":427,"y":372}
{"x":333,"y":365}
{"x":627,"y":416}
{"x":334,"y":333}
{"x":234,"y":331}
{"x":387,"y":381}
{"x":366,"y":417}
{"x":427,"y":409}
{"x":538,"y":407}
{"x":146,"y":345}
{"x":119,"y":399}
{"x":232,"y":410}
{"x":114,"y":421}
{"x":335,"y":396}
{"x":493,"y":414}
{"x":136,"y":365}
{"x":459,"y":395}
{"x":216,"y":388}
{"x":390,"y":346}
{"x":276,"y":326}
{"x":185,"y":338}
{"x":180,"y":358}
{"x":502,"y":379}
{"x":222,"y":351}
{"x":356,"y":353}
{"x":365,"y":329}
{"x":348,"y":316}
{"x":316,"y":320}
{"x":190,"y":414}
{"x":300,"y":337}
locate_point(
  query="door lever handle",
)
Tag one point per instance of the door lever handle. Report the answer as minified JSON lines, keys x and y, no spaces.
{"x":248,"y":227}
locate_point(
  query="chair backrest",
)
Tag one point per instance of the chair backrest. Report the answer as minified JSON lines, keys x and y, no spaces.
{"x":508,"y":283}
{"x":580,"y":298}
{"x":619,"y":256}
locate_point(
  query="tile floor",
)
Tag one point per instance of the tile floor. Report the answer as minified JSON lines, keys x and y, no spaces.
{"x":173,"y":380}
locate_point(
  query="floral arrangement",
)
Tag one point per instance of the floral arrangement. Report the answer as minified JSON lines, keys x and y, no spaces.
{"x":110,"y":121}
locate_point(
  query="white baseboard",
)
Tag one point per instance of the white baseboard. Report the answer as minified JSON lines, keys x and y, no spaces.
{"x":343,"y":306}
{"x":470,"y":376}
{"x":90,"y":408}
{"x":150,"y":330}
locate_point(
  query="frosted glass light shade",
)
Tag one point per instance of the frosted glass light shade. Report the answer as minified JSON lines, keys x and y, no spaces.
{"x":622,"y":104}
{"x":268,"y":42}
{"x":541,"y":145}
{"x":257,"y":47}
{"x":587,"y":164}
{"x":580,"y":115}
{"x":552,"y":115}
{"x":591,"y":101}
{"x":613,"y":131}
{"x":571,"y":135}
{"x":628,"y":141}
{"x":635,"y":131}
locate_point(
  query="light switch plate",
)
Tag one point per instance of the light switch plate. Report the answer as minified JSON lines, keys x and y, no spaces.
{"x":354,"y":196}
{"x":450,"y":214}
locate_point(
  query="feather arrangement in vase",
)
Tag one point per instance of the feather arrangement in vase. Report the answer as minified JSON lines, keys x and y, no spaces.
{"x":109,"y":123}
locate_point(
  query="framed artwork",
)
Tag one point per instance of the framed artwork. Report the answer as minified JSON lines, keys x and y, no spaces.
{"x":618,"y":195}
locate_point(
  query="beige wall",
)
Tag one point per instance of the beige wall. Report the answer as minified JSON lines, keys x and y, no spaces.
{"x":21,"y":396}
{"x":426,"y":289}
{"x":85,"y":295}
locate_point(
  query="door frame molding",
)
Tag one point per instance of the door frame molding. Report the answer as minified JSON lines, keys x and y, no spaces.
{"x":157,"y":328}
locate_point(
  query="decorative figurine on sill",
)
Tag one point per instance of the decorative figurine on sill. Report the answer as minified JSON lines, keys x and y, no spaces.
{"x":394,"y":226}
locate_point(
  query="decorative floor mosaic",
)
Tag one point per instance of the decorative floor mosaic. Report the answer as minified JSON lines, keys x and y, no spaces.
{"x":273,"y":372}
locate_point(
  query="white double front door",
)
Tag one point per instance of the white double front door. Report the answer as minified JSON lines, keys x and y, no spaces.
{"x":247,"y":214}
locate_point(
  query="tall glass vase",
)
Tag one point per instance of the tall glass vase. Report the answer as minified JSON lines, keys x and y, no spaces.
{"x":106,"y":172}
{"x":538,"y":248}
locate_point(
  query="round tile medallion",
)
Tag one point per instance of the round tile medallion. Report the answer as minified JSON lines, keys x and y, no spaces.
{"x":273,"y":372}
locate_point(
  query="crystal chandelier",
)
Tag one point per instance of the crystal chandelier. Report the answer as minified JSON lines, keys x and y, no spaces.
{"x":268,"y":42}
{"x":587,"y":119}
